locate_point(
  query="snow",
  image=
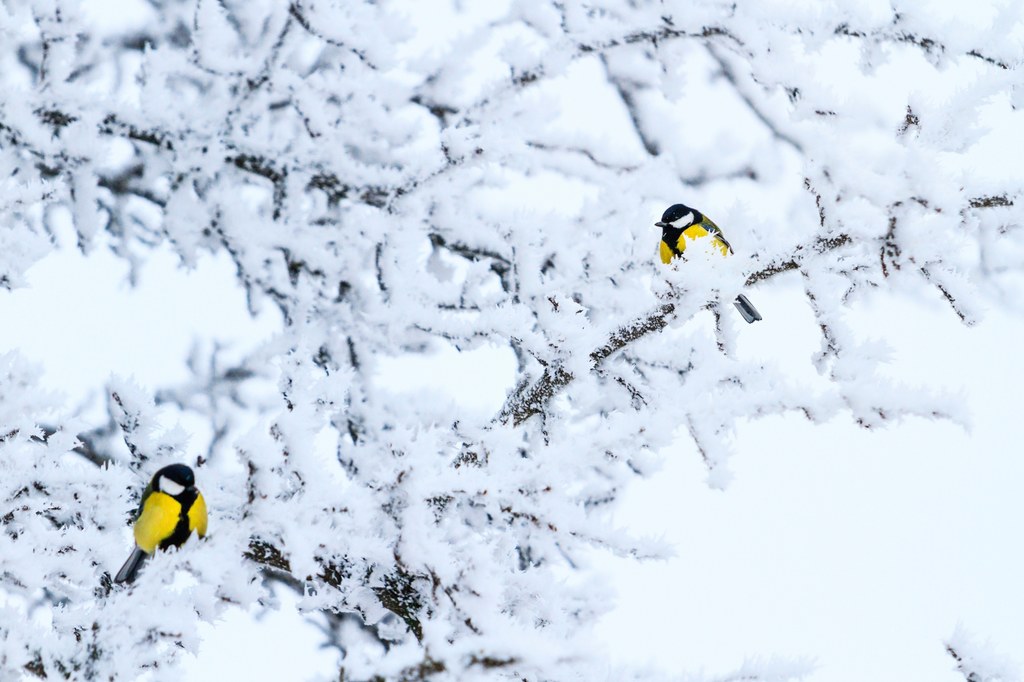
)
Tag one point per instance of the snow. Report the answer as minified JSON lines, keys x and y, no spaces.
{"x":386,"y":277}
{"x":84,"y":320}
{"x":858,"y":550}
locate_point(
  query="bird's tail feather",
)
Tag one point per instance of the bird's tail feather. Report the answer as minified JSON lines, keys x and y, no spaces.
{"x":747,"y":309}
{"x":131,"y":566}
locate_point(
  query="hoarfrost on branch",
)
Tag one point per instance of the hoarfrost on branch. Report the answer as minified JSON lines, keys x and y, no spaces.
{"x":389,"y":180}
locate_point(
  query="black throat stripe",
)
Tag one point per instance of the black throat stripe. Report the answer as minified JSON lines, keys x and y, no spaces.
{"x":670,"y":235}
{"x":181,"y":530}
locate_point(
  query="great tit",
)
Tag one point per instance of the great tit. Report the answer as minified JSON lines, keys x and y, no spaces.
{"x":680,"y":223}
{"x":171,"y":508}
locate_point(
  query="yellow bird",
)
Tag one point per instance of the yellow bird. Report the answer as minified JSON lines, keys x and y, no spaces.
{"x":679,"y":224}
{"x":170,"y":510}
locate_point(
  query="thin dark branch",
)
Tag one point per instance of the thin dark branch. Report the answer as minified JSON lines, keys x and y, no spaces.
{"x":929,"y":45}
{"x":500,"y":265}
{"x":654,"y":36}
{"x":121,"y":184}
{"x":297,"y":12}
{"x":528,"y":400}
{"x":741,"y":91}
{"x":112,"y":125}
{"x":629,"y":333}
{"x":584,"y":152}
{"x":330,"y":183}
{"x":961,"y":665}
{"x":534,"y":398}
{"x":257,"y":165}
{"x":129,"y":423}
{"x":990,"y":201}
{"x":948,"y":296}
{"x":627,"y":94}
{"x":792,"y":262}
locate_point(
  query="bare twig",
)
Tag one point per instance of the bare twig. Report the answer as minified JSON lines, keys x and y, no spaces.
{"x":961,"y":665}
{"x":929,"y":45}
{"x":627,"y":93}
{"x":528,"y":400}
{"x":742,"y":91}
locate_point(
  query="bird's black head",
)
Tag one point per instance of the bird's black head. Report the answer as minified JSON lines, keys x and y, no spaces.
{"x":174,"y":480}
{"x":678,"y":216}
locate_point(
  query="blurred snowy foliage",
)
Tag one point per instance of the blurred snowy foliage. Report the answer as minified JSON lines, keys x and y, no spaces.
{"x":980,"y":661}
{"x":391,"y":174}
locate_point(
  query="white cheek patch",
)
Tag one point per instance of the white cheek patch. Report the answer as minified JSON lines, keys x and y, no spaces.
{"x":682,"y":222}
{"x":170,"y":487}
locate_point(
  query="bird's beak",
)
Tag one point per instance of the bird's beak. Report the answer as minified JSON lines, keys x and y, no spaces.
{"x":660,"y":224}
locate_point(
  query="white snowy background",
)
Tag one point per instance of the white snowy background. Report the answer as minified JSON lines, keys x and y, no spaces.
{"x":861,"y":552}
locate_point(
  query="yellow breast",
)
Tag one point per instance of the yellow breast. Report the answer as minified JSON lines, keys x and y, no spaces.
{"x":157,"y":521}
{"x":160,"y":516}
{"x":666,"y":253}
{"x":692,"y":232}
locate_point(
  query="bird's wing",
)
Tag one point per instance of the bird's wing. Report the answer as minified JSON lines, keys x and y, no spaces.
{"x":145,"y":495}
{"x":710,"y":226}
{"x":197,"y":516}
{"x":156,"y":523}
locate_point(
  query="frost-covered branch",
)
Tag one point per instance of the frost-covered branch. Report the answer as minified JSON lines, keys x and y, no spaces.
{"x":898,"y":32}
{"x":388,"y":193}
{"x":978,"y":661}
